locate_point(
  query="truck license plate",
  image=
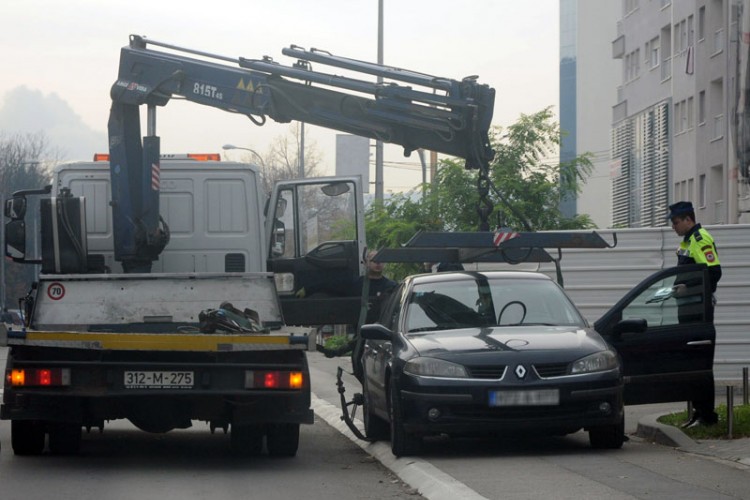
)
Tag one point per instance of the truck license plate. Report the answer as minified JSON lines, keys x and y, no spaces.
{"x":158,"y":380}
{"x":541,"y":397}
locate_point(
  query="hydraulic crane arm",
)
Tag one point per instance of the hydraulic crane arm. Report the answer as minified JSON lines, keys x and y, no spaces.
{"x":449,"y":116}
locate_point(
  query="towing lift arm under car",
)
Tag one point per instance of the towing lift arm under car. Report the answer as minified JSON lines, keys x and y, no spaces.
{"x":448,"y":116}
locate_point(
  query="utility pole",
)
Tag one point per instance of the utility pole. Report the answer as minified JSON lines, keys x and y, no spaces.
{"x":378,"y":143}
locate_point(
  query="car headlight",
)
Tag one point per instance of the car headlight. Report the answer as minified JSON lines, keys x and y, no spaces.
{"x":597,"y":362}
{"x":433,"y":367}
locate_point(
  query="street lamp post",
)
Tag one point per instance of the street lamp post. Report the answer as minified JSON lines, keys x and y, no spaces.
{"x":232,"y":146}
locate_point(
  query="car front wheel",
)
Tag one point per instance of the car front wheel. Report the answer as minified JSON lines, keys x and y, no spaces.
{"x":608,"y":436}
{"x":402,"y":442}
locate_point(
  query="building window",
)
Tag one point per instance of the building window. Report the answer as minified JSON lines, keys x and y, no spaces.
{"x":702,"y":23}
{"x":652,"y":52}
{"x":702,"y":107}
{"x":683,"y":35}
{"x":632,"y":65}
{"x":702,"y":191}
{"x":665,"y":42}
{"x":718,"y":45}
{"x":683,"y":116}
{"x":690,"y":32}
{"x":630,"y":6}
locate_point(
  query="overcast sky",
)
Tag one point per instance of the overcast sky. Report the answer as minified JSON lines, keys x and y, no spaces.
{"x":60,"y":57}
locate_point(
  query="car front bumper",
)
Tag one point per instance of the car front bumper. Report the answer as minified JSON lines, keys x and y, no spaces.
{"x":431,"y":406}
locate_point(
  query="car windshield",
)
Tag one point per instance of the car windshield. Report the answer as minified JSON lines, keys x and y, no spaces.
{"x":484,"y":302}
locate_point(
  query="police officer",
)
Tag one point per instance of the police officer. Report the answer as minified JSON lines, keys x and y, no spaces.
{"x":697,"y":247}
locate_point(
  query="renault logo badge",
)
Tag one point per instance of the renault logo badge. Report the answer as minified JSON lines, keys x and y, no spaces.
{"x":520,"y":371}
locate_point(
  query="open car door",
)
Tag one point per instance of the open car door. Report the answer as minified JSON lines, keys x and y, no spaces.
{"x":316,"y":238}
{"x":665,"y":336}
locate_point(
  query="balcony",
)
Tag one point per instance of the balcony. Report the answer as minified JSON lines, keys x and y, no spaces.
{"x":619,"y":111}
{"x":618,"y":47}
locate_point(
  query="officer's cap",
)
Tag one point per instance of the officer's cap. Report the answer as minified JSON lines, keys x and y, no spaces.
{"x":680,"y":208}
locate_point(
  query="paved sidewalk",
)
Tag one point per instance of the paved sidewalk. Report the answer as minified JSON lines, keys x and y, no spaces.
{"x":734,"y":450}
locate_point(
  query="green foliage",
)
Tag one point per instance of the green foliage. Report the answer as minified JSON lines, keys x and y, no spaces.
{"x":740,"y":427}
{"x":336,"y":342}
{"x":528,"y":188}
{"x":529,"y":185}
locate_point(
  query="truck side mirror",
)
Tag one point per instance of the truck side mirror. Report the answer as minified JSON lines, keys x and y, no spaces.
{"x":15,"y":239}
{"x":335,"y":188}
{"x":279,"y":238}
{"x":15,"y":208}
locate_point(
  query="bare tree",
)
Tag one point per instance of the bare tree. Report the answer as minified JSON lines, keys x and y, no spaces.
{"x":281,"y":162}
{"x":25,"y":161}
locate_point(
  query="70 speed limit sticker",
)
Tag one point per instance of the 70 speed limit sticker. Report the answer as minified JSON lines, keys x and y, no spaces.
{"x":55,"y":291}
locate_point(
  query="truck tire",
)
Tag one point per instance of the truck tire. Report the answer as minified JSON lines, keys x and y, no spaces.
{"x":246,"y":440}
{"x":64,"y":438}
{"x":282,"y":440}
{"x":27,"y":437}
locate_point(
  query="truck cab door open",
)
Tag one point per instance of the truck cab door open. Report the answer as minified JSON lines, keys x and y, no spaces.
{"x":316,"y":242}
{"x":663,"y":333}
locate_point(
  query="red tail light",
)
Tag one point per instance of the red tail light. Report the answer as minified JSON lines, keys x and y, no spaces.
{"x":273,"y":379}
{"x":38,"y":377}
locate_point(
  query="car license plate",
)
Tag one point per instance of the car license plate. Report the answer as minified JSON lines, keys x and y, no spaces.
{"x":158,"y":380}
{"x":540,"y":397}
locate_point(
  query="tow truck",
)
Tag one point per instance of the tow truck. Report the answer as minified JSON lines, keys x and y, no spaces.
{"x":150,"y":306}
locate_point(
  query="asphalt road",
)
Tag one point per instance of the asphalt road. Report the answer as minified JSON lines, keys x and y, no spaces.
{"x":543,"y":467}
{"x":125,"y":463}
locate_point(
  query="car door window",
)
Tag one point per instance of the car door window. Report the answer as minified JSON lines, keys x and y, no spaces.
{"x":676,"y":299}
{"x":390,"y":313}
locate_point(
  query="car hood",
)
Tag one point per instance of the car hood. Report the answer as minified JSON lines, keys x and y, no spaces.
{"x":568,"y":339}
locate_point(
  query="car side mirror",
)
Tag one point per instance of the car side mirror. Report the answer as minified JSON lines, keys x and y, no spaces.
{"x":635,"y":325}
{"x":375,"y":331}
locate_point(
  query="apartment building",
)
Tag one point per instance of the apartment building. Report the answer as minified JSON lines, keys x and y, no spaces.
{"x":674,"y":127}
{"x":669,"y":93}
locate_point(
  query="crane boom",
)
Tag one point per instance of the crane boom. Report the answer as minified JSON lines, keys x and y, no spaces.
{"x":448,"y":116}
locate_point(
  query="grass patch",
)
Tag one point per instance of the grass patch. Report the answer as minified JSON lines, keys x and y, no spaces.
{"x":741,"y":426}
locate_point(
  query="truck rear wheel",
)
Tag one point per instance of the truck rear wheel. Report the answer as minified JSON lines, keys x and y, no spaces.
{"x":246,"y":440}
{"x":64,"y":438}
{"x":282,"y":440}
{"x":27,"y":437}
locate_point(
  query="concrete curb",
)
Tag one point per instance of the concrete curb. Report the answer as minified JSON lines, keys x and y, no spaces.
{"x":649,"y":428}
{"x":428,"y":480}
